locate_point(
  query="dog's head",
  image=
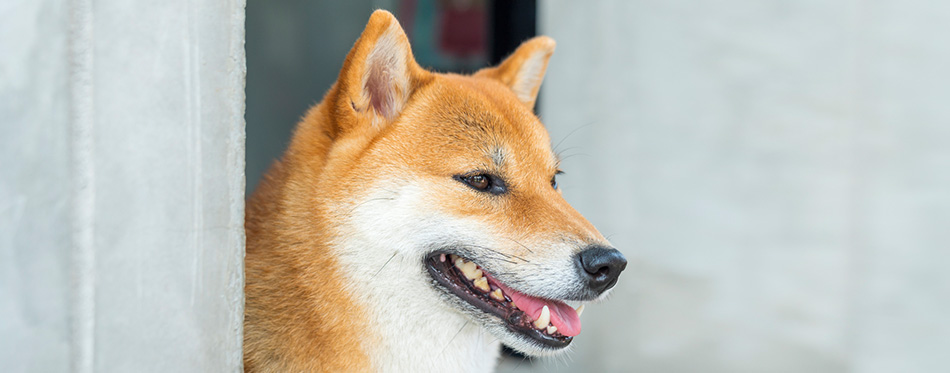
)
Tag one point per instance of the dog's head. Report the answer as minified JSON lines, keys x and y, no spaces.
{"x":456,"y":175}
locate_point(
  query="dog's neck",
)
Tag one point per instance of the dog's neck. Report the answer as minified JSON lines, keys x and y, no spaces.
{"x":415,"y":339}
{"x":415,"y":330}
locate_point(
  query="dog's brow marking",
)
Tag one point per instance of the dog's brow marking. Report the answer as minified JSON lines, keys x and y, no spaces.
{"x":453,"y":337}
{"x":498,"y":156}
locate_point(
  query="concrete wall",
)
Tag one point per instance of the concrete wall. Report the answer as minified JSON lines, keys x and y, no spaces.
{"x":122,"y":185}
{"x":777,"y":171}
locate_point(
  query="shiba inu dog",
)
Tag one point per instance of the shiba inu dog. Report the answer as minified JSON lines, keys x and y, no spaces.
{"x":414,"y":223}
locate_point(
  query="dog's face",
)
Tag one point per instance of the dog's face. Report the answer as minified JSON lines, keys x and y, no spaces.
{"x":457,"y":175}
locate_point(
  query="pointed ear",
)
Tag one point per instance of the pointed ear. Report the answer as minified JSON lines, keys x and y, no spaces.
{"x":524,"y":69}
{"x":379,"y":73}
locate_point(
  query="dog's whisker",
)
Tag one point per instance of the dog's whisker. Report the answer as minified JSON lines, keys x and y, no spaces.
{"x":453,"y":337}
{"x":390,"y":191}
{"x":499,"y":253}
{"x":385,"y":264}
{"x":565,"y":150}
{"x":569,"y":135}
{"x":574,"y":155}
{"x":507,"y":261}
{"x":349,"y":213}
{"x":523,"y":359}
{"x":522,"y":245}
{"x":491,"y":250}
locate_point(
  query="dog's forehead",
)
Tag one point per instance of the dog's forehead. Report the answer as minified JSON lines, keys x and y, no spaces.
{"x":483,"y":116}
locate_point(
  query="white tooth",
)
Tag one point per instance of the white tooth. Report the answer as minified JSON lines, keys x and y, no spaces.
{"x":552,"y":329}
{"x":482,"y":284}
{"x":543,"y":320}
{"x":498,"y":295}
{"x":580,"y":310}
{"x":471,"y":271}
{"x":459,"y":262}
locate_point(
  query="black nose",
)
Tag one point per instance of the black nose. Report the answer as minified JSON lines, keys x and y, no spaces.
{"x":601,"y":266}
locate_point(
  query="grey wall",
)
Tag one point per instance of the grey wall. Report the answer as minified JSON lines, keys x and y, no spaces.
{"x":777,"y":172}
{"x":122,"y":185}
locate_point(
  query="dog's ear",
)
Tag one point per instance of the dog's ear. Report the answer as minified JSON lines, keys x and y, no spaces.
{"x":379,"y":74}
{"x":524,"y":69}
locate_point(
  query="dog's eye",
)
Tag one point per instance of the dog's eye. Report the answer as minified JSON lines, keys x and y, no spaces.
{"x":554,"y":181}
{"x":480,"y":182}
{"x":484,"y":183}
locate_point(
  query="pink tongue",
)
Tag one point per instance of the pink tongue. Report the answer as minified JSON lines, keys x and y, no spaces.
{"x":562,"y":316}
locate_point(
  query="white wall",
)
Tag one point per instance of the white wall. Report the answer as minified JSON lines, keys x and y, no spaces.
{"x":777,"y":171}
{"x":122,"y":185}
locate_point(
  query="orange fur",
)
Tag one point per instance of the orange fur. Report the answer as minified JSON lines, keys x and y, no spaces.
{"x":301,"y":314}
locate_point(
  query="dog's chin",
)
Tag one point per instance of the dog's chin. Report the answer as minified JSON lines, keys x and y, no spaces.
{"x":490,"y":304}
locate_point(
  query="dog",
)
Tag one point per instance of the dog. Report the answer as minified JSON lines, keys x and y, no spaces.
{"x":414,"y":223}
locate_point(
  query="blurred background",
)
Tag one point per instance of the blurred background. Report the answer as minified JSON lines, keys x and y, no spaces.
{"x":777,"y":172}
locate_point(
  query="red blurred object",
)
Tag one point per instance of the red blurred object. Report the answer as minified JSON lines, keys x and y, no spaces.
{"x":462,"y":28}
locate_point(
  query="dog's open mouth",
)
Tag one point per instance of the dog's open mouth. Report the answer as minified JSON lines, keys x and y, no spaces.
{"x":550,"y":322}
